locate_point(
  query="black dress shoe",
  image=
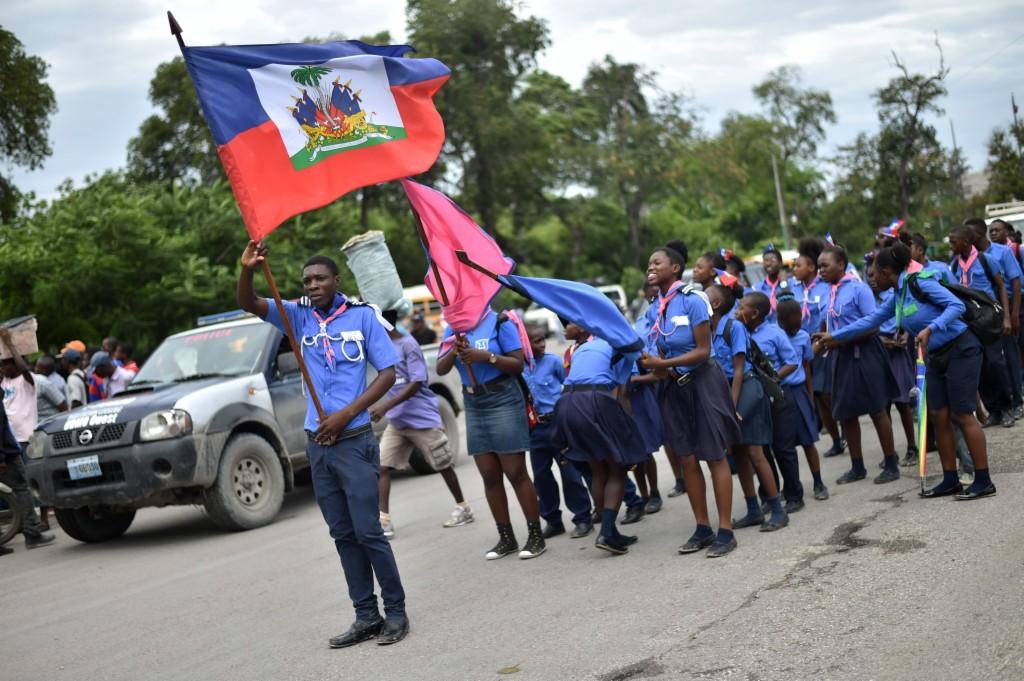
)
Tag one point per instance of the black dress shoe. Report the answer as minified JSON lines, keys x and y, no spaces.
{"x":582,"y":530}
{"x":887,"y":475}
{"x":940,"y":491}
{"x":794,"y":505}
{"x":396,"y":627}
{"x":361,"y":630}
{"x":851,"y":476}
{"x":747,"y":521}
{"x":694,"y":545}
{"x":633,"y":515}
{"x":836,"y":449}
{"x":653,"y":505}
{"x":720,"y":548}
{"x":553,"y":530}
{"x":4,"y":550}
{"x":612,"y":545}
{"x":969,"y":494}
{"x":41,"y":539}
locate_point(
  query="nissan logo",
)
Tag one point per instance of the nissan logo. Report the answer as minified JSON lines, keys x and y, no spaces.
{"x":85,"y":437}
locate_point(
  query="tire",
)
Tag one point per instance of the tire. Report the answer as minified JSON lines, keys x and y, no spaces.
{"x":93,"y":525}
{"x":249,"y":487}
{"x":420,"y":461}
{"x":10,"y":518}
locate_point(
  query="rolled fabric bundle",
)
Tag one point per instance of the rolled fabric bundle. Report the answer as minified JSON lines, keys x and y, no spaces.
{"x":23,"y":336}
{"x":374,"y":269}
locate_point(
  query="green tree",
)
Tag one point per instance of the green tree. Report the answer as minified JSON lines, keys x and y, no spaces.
{"x":1006,"y":164}
{"x":26,"y":105}
{"x":174,"y":144}
{"x":798,"y":115}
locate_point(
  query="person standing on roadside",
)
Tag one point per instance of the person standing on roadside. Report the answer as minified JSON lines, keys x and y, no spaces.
{"x":78,"y":382}
{"x":340,"y":339}
{"x":423,"y":334}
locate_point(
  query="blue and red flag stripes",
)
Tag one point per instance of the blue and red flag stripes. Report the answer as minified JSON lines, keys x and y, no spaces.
{"x":298,"y":125}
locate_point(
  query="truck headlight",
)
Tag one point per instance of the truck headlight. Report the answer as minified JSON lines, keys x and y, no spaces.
{"x":36,"y":443}
{"x":165,"y":424}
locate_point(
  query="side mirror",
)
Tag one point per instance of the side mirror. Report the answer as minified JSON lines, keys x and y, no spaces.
{"x":287,"y":363}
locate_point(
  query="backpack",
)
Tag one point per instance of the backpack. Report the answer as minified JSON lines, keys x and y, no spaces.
{"x":532,"y":415}
{"x":764,"y":370}
{"x":983,"y":316}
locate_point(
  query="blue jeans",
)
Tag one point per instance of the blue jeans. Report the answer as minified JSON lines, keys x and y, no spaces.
{"x":345,"y":477}
{"x":543,"y":455}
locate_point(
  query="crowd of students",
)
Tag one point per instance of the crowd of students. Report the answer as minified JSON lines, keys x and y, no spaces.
{"x":739,"y":378}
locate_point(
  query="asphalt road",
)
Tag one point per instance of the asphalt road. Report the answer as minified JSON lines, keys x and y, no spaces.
{"x":872,"y":584}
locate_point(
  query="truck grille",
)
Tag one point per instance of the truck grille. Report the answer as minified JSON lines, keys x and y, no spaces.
{"x":66,"y":439}
{"x":112,"y":472}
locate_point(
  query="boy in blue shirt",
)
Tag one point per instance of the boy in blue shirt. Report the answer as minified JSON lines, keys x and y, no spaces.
{"x":545,"y":380}
{"x":339,"y":340}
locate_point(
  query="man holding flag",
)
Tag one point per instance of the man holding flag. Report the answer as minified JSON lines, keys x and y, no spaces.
{"x":338,"y":339}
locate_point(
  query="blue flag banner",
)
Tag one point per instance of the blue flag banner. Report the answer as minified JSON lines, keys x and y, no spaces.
{"x":581,"y":304}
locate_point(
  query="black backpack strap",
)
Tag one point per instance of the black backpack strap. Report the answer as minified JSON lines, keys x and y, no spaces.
{"x":727,"y":331}
{"x":988,"y":269}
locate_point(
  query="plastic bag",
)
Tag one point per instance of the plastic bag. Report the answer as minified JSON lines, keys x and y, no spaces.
{"x":375,"y":272}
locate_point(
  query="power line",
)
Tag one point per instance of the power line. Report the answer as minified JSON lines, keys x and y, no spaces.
{"x":986,"y":60}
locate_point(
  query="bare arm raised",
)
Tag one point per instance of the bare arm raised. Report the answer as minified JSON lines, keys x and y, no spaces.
{"x":252,"y":258}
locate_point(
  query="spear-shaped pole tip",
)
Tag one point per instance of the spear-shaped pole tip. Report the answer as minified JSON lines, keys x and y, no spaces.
{"x":175,"y":29}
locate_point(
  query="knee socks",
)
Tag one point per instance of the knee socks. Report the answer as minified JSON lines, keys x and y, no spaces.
{"x":608,"y":529}
{"x":981,"y":480}
{"x":753,"y":507}
{"x":857,"y":465}
{"x":950,"y":480}
{"x":892,"y":462}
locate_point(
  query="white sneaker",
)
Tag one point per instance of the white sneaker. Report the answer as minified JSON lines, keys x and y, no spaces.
{"x":388,"y":527}
{"x":460,"y":516}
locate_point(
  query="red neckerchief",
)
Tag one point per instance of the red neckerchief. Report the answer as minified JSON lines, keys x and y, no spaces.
{"x":771,"y":296}
{"x":805,"y":310}
{"x":567,"y":358}
{"x":914,"y":267}
{"x":835,"y":289}
{"x":663,"y":301}
{"x":965,"y":265}
{"x":328,"y":350}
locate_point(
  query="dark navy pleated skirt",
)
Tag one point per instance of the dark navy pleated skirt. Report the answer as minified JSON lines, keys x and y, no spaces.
{"x":592,"y":425}
{"x":821,"y":372}
{"x":901,"y":361}
{"x":862,"y":380}
{"x":700,"y":418}
{"x":804,"y":416}
{"x":643,"y":400}
{"x":756,"y":413}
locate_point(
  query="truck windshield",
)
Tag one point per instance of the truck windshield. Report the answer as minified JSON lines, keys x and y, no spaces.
{"x":233,"y":351}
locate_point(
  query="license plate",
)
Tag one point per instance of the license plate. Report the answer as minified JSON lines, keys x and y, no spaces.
{"x":85,"y":467}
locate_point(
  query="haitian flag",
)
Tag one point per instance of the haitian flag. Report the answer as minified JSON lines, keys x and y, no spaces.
{"x":297,"y":125}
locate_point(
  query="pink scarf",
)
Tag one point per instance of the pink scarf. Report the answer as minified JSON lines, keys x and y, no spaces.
{"x":835,"y":290}
{"x":805,"y":311}
{"x":663,"y":301}
{"x":328,"y":350}
{"x":771,"y":296}
{"x":914,"y":267}
{"x":965,"y":265}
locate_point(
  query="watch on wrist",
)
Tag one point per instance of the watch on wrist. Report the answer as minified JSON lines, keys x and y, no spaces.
{"x":493,"y":359}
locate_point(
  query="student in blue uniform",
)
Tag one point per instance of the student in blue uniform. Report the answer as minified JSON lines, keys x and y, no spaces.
{"x":812,"y":293}
{"x":919,"y":252}
{"x":339,"y":340}
{"x":731,"y":345}
{"x":706,"y":267}
{"x":643,"y":401}
{"x":799,"y":410}
{"x":862,"y":382}
{"x":696,"y":406}
{"x":953,"y":359}
{"x":976,"y":270}
{"x":1005,"y":261}
{"x":497,"y":434}
{"x":774,"y":282}
{"x":773,"y":342}
{"x":545,"y":381}
{"x":592,"y":425}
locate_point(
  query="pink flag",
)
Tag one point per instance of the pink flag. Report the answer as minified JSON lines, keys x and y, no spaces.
{"x":446,"y":229}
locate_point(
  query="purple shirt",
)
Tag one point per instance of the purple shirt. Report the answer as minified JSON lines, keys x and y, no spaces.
{"x":420,"y":410}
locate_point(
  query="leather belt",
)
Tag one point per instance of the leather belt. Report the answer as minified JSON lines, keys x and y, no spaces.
{"x":481,"y":388}
{"x":545,"y":418}
{"x":583,"y":387}
{"x":687,"y":378}
{"x":352,"y":432}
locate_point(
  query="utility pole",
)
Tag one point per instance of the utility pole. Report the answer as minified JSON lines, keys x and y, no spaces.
{"x":959,"y":175}
{"x":1016,"y":128}
{"x":782,"y":205}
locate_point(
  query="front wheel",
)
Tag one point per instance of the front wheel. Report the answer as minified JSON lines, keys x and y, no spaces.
{"x":249,"y":488}
{"x":10,"y":517}
{"x":95,"y":524}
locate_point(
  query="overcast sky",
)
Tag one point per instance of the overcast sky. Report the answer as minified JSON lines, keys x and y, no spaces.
{"x":102,"y":54}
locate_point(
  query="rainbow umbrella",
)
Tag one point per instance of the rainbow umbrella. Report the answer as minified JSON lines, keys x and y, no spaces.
{"x":922,"y":415}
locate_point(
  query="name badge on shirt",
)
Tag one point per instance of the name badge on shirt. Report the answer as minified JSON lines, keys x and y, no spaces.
{"x":483,"y":344}
{"x":817,"y":299}
{"x":681,"y":320}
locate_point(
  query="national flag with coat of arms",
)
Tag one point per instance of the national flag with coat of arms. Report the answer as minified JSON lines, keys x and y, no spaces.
{"x":298,"y":125}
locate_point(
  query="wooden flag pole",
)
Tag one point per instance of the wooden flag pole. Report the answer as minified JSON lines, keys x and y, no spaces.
{"x":289,"y":332}
{"x":440,"y":287}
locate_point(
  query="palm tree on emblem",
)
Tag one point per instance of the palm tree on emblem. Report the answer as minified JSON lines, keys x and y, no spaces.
{"x":310,"y":76}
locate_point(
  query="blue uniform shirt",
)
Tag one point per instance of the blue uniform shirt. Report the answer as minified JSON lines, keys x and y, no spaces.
{"x":592,"y":363}
{"x":816,"y":298}
{"x":675,"y":334}
{"x":492,"y":337}
{"x":976,"y":277}
{"x":853,"y":300}
{"x":942,"y":269}
{"x":888,"y":327}
{"x":801,"y":343}
{"x":938,"y":309}
{"x":1002,"y":259}
{"x":545,"y":381}
{"x":357,"y":337}
{"x":642,"y":326}
{"x":724,"y":350}
{"x":774,"y":343}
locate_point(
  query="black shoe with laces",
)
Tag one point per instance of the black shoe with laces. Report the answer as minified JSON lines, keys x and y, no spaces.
{"x":534,"y":542}
{"x":838,"y":447}
{"x":506,"y":545}
{"x":582,"y":530}
{"x":633,"y":515}
{"x":553,"y":530}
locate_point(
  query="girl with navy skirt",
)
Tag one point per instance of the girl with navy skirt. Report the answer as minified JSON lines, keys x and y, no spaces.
{"x":592,"y":426}
{"x":497,"y":433}
{"x":643,"y":402}
{"x":696,"y":406}
{"x":862,"y":382}
{"x":953,"y":357}
{"x":730,"y":344}
{"x":802,"y":396}
{"x":812,"y":293}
